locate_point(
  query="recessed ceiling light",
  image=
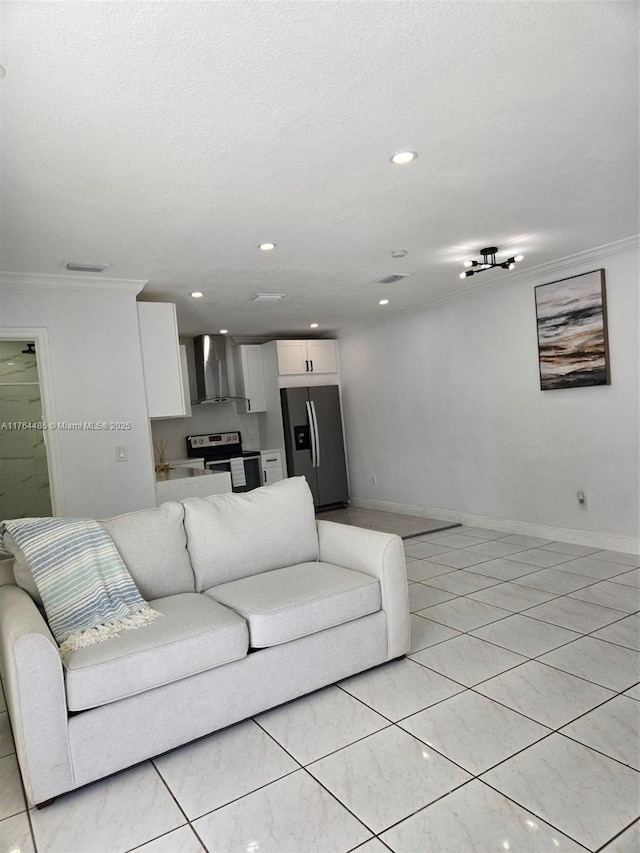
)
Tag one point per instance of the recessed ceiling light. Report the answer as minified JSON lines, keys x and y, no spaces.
{"x":223,"y":331}
{"x":383,"y":302}
{"x":399,"y":253}
{"x":197,"y":294}
{"x":402,"y":157}
{"x":267,"y":247}
{"x":313,"y":326}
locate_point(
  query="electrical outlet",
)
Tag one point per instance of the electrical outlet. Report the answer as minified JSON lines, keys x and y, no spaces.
{"x":374,"y":480}
{"x":249,"y":430}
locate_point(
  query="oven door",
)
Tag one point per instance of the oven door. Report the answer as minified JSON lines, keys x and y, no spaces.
{"x":251,"y":472}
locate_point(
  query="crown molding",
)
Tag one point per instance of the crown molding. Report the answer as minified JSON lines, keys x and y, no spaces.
{"x":540,"y":274}
{"x":76,"y":283}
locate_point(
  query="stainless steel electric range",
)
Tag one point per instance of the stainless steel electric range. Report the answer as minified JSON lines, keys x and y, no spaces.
{"x":222,"y":451}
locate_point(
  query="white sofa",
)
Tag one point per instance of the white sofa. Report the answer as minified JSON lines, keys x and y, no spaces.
{"x":261,"y":603}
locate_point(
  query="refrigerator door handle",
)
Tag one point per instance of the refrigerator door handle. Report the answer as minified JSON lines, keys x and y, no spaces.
{"x":312,"y":433}
{"x":317,"y":433}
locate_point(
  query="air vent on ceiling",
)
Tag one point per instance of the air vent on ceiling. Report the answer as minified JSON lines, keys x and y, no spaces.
{"x":391,"y":279}
{"x":267,"y":297}
{"x":78,"y":267}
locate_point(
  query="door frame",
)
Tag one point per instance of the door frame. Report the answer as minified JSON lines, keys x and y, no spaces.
{"x":45,"y":379}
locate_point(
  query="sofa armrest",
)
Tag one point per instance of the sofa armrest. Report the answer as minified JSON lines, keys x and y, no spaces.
{"x":380,"y":555}
{"x":36,"y":698}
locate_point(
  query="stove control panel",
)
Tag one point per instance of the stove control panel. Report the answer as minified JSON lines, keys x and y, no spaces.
{"x":219,"y":439}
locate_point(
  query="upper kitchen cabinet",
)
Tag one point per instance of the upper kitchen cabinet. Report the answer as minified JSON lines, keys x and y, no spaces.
{"x":310,"y":356}
{"x":249,"y":375}
{"x":161,"y":360}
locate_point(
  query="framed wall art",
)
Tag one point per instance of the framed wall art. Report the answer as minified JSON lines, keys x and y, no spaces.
{"x":573,"y":349}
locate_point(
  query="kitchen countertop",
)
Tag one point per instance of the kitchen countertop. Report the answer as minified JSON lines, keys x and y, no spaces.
{"x":183,"y":473}
{"x":180,"y":483}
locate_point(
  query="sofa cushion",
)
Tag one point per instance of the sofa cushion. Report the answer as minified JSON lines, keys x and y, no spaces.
{"x":195,"y":633}
{"x":285,"y":604}
{"x":153,"y":546}
{"x":233,"y":536}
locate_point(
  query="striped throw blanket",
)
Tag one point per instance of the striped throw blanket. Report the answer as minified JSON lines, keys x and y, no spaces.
{"x":87,"y":592}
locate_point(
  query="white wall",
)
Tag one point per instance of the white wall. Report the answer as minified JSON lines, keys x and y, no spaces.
{"x":444,"y":406}
{"x":93,"y":373}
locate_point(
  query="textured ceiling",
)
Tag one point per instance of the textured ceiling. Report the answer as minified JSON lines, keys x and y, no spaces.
{"x":168,"y":139}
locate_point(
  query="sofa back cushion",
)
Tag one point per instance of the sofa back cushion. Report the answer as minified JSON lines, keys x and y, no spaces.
{"x":153,"y":545}
{"x":234,"y":536}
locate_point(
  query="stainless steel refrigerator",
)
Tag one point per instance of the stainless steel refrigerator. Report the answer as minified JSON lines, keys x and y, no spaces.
{"x":314,"y":444}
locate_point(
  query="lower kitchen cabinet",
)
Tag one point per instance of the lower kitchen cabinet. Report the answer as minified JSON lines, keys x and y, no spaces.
{"x":271,"y":463}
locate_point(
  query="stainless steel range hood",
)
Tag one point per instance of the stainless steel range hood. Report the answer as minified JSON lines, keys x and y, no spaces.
{"x":212,"y":380}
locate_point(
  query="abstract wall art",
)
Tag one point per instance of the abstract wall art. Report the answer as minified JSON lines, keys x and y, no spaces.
{"x":573,"y":347}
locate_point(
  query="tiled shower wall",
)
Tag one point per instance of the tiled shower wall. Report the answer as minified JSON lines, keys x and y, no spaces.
{"x":24,"y":479}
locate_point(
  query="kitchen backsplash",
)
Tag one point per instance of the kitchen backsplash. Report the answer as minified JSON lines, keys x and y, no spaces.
{"x":208,"y":418}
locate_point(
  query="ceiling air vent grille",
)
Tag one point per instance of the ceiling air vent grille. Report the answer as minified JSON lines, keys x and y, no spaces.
{"x":391,"y":279}
{"x":267,"y":297}
{"x":73,"y":266}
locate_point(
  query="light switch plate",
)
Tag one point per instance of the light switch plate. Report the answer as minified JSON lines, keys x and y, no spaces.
{"x":121,"y":453}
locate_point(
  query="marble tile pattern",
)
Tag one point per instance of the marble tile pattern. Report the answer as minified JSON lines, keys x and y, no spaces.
{"x":611,"y":594}
{"x":476,"y":819}
{"x":583,"y":793}
{"x":613,"y":728}
{"x":627,"y":842}
{"x":468,"y":660}
{"x":400,"y":688}
{"x":113,"y":816}
{"x":183,"y":840}
{"x":574,"y":614}
{"x":512,"y":726}
{"x":222,"y":767}
{"x":525,"y":636}
{"x":425,"y":633}
{"x":414,"y":775}
{"x":317,"y":725}
{"x":295,"y":813}
{"x":421,"y":596}
{"x":512,"y":596}
{"x":464,"y":614}
{"x":603,"y":663}
{"x":625,"y":632}
{"x":545,"y":694}
{"x":473,"y":731}
{"x":15,"y":834}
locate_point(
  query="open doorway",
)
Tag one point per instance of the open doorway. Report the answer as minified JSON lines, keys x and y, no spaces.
{"x":24,"y":473}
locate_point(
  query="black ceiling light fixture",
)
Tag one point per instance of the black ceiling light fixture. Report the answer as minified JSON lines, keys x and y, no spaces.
{"x":488,"y":262}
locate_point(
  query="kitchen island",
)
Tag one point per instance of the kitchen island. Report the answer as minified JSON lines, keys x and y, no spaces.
{"x":179,"y":483}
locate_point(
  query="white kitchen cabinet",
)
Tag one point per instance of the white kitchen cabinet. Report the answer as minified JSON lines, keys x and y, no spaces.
{"x":186,"y":391}
{"x":310,"y":356}
{"x":271,"y":464}
{"x":161,"y":360}
{"x":249,"y":375}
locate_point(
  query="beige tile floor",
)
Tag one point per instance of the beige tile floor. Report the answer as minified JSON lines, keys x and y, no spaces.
{"x":513,"y":725}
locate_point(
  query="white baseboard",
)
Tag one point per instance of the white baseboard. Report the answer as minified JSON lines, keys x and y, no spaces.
{"x":625,"y":544}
